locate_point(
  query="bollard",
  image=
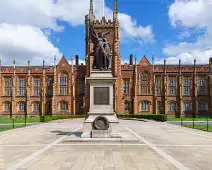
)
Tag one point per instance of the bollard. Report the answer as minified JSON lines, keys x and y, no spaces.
{"x":13,"y":123}
{"x":181,"y":121}
{"x":193,"y":122}
{"x":207,"y":124}
{"x":25,"y":120}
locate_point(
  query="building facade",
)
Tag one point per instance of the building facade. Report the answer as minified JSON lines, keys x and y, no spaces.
{"x":140,"y":87}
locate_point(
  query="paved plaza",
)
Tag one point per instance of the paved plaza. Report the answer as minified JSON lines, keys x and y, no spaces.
{"x":155,"y":146}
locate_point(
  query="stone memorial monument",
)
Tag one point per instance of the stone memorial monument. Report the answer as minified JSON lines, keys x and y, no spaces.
{"x":102,"y":121}
{"x":101,"y":39}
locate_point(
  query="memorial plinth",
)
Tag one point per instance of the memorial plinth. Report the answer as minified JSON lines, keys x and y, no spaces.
{"x":102,"y":121}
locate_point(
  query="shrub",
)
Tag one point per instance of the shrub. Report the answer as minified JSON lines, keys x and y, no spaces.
{"x":49,"y":118}
{"x":67,"y":117}
{"x":45,"y":118}
{"x":157,"y":117}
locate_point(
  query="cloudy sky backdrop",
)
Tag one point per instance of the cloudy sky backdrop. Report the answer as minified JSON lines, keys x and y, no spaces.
{"x":168,"y":29}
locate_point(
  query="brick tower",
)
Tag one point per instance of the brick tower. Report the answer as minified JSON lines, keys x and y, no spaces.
{"x":104,"y":26}
{"x":101,"y":80}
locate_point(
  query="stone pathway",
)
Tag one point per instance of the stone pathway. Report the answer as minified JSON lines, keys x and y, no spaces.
{"x":159,"y":146}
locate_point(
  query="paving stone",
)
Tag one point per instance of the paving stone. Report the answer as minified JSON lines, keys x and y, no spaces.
{"x":179,"y":143}
{"x":78,"y":164}
{"x":109,"y":168}
{"x":98,"y":168}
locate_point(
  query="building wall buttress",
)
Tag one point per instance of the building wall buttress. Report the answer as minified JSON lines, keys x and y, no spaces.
{"x":54,"y":87}
{"x":73,"y":87}
{"x":180,"y":89}
{"x":28,"y":90}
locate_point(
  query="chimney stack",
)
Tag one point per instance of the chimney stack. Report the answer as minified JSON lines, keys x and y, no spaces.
{"x":77,"y":60}
{"x":131,"y":59}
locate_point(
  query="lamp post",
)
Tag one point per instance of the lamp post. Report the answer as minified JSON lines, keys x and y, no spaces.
{"x":26,"y":107}
{"x":41,"y":102}
{"x":11,"y":109}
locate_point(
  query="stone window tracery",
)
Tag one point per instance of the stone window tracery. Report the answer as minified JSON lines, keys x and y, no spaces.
{"x":64,"y":84}
{"x":144,"y":84}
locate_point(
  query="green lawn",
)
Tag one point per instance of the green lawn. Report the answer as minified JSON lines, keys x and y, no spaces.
{"x":6,"y":123}
{"x":4,"y":128}
{"x":19,"y":120}
{"x":188,"y":119}
{"x":204,"y":128}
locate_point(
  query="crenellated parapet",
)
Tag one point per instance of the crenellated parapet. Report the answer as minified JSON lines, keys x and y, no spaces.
{"x":103,"y":22}
{"x":127,"y":67}
{"x":184,"y":68}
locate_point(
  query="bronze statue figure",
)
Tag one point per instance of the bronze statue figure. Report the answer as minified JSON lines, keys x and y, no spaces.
{"x":102,"y":49}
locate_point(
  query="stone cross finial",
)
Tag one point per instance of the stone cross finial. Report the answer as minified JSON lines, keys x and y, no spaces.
{"x":91,"y":12}
{"x":91,"y":6}
{"x":115,"y":13}
{"x":43,"y":63}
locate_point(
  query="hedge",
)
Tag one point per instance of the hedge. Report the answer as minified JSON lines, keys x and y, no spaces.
{"x":157,"y":117}
{"x":67,"y":117}
{"x":50,"y":118}
{"x":45,"y":118}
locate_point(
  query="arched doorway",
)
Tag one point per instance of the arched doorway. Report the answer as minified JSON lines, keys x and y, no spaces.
{"x":49,"y":108}
{"x":80,"y":108}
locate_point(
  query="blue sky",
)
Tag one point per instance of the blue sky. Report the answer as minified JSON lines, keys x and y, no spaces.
{"x":169,"y":29}
{"x":153,"y":13}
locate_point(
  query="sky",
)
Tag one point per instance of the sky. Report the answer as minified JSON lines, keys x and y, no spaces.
{"x":166,"y":29}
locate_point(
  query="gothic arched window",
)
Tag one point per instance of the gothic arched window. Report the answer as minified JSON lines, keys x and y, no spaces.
{"x":172,"y":106}
{"x":81,"y":107}
{"x":50,"y":82}
{"x":144,"y":84}
{"x":36,"y":106}
{"x":126,"y":86}
{"x":145,"y":105}
{"x":64,"y":84}
{"x":202,"y":86}
{"x":187,"y":106}
{"x":7,"y":106}
{"x":202,"y":106}
{"x":22,"y":106}
{"x":126,"y":106}
{"x":82,"y":87}
{"x":63,"y":106}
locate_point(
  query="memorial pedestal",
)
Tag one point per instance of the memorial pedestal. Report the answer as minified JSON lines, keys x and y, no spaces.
{"x":102,"y":121}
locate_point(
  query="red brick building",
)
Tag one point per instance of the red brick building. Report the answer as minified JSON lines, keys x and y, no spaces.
{"x":140,"y":87}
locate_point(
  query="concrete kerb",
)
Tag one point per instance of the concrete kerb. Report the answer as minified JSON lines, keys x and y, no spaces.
{"x":136,"y":119}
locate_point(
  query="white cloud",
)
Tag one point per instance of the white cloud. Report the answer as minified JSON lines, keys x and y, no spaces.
{"x":22,"y":43}
{"x":125,"y":61}
{"x":131,"y":30}
{"x":191,"y":14}
{"x":29,"y":25}
{"x":74,"y":61}
{"x":29,"y":12}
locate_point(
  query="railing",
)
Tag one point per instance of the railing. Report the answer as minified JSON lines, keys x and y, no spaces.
{"x":18,"y":122}
{"x":204,"y":123}
{"x":13,"y":123}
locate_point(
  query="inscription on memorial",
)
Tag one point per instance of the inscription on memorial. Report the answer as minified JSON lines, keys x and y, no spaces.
{"x":101,"y":95}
